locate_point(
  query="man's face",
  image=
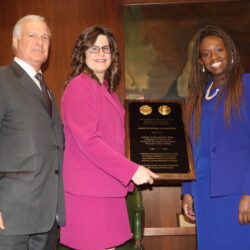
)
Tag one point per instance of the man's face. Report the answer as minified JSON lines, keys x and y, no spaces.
{"x":32,"y":45}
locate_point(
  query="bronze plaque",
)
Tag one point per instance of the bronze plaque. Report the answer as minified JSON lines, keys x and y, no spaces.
{"x":157,"y":139}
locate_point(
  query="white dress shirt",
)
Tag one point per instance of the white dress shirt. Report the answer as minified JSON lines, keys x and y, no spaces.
{"x":29,"y":70}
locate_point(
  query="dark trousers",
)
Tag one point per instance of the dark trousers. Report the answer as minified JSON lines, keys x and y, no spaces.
{"x":42,"y":241}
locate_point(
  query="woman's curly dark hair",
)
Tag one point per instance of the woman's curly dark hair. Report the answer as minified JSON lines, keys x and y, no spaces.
{"x":86,"y":40}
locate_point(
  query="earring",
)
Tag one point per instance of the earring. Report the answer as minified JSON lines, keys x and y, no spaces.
{"x":232,"y":60}
{"x":203,"y":69}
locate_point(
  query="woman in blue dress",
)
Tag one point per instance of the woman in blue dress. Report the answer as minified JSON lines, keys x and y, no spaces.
{"x":218,"y":114}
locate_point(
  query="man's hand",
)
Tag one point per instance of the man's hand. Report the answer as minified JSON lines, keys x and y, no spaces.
{"x":244,"y":210}
{"x":1,"y":222}
{"x":143,"y":176}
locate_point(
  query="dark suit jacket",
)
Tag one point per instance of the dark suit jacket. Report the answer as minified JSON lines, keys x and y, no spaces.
{"x":31,"y":152}
{"x":229,"y":151}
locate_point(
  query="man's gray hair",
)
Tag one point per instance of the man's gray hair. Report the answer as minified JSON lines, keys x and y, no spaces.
{"x":18,"y":26}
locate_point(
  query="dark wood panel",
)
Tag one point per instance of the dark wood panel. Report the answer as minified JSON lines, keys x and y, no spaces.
{"x":66,"y":20}
{"x":132,"y":2}
{"x":170,"y":243}
{"x":162,"y":204}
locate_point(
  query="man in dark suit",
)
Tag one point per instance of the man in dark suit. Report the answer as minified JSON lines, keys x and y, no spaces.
{"x":31,"y":145}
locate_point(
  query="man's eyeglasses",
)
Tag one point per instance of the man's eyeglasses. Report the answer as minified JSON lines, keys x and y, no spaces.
{"x":96,"y":49}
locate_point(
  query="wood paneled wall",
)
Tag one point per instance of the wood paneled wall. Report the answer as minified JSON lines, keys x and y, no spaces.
{"x":67,"y":18}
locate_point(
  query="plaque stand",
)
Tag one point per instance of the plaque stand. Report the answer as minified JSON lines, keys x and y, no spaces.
{"x":152,"y":139}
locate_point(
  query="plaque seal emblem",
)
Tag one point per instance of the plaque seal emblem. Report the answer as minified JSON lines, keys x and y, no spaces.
{"x":145,"y":109}
{"x":164,"y":110}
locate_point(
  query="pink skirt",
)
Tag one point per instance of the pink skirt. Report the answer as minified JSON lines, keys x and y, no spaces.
{"x":95,"y":223}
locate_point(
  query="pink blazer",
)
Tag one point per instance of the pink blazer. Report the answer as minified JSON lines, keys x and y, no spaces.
{"x":94,"y":162}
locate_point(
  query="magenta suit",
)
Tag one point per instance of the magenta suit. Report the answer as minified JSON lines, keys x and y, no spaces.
{"x":97,"y":176}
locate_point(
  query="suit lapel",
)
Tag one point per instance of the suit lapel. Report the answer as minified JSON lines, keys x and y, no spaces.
{"x":26,"y":82}
{"x":217,"y":124}
{"x":54,"y":107}
{"x":114,"y":101}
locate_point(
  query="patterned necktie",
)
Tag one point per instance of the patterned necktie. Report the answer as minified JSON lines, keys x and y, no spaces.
{"x":45,"y":90}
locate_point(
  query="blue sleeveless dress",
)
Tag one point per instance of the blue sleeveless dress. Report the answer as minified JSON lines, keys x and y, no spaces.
{"x":216,"y":217}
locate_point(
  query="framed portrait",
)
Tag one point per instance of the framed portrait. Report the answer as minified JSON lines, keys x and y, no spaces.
{"x":158,"y":39}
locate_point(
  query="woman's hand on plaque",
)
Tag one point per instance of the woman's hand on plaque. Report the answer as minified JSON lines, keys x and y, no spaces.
{"x":143,"y":176}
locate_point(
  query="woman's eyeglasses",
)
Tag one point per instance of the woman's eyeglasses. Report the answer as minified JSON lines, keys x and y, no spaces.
{"x":96,"y":49}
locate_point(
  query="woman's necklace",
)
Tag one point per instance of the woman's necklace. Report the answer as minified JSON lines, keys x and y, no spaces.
{"x":208,"y":96}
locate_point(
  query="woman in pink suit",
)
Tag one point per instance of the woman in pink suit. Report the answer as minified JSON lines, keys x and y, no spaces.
{"x":97,"y":176}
